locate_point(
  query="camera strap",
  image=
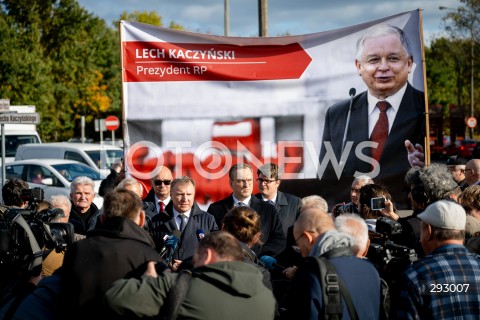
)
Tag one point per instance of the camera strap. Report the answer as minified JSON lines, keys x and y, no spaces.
{"x":36,"y":251}
{"x":332,"y":287}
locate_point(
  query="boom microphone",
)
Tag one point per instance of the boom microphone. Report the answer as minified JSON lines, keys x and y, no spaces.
{"x":172,"y":244}
{"x":200,"y":234}
{"x":351,"y":93}
{"x":271,"y":263}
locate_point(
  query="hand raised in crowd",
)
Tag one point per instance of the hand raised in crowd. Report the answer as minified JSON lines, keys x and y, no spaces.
{"x":416,"y":154}
{"x":389,"y":210}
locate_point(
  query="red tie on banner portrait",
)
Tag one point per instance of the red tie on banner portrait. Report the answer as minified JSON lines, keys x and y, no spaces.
{"x":380,"y":131}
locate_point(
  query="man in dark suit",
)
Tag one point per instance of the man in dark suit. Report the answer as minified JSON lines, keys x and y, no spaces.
{"x":241,"y":182}
{"x":287,"y":205}
{"x":183,"y":214}
{"x":388,"y":113}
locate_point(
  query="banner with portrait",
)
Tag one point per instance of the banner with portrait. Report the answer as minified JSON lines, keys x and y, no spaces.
{"x":199,"y":103}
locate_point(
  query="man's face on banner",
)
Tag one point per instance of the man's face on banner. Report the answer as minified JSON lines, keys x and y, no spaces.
{"x":384,"y":65}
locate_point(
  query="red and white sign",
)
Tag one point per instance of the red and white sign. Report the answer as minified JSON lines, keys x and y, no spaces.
{"x":472,"y":122}
{"x":112,"y":123}
{"x":164,"y":61}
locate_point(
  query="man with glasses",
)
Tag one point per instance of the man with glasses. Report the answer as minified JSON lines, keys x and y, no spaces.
{"x":456,"y":165}
{"x":241,"y":182}
{"x":316,"y":236}
{"x":287,"y":205}
{"x":159,"y":195}
{"x":472,"y":172}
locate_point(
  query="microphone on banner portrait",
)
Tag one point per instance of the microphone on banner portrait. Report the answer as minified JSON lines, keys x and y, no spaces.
{"x":271,"y":263}
{"x":351,"y":93}
{"x":200,"y":234}
{"x":171,"y":245}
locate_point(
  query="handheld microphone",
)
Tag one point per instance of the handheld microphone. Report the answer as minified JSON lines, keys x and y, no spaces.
{"x":271,"y":263}
{"x":172,"y":244}
{"x":200,"y":234}
{"x":164,"y":248}
{"x":351,"y":93}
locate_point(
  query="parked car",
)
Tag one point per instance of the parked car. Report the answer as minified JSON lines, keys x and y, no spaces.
{"x":54,"y":176}
{"x":97,"y":156}
{"x":476,"y":151}
{"x":463,"y":148}
{"x":438,"y":151}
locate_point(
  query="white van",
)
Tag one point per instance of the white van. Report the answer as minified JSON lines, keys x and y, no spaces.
{"x":18,"y":134}
{"x":97,"y":156}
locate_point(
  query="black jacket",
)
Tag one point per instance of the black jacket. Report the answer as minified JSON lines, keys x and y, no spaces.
{"x":118,"y":248}
{"x":288,"y":208}
{"x":86,"y":222}
{"x":164,"y":224}
{"x":272,"y":237}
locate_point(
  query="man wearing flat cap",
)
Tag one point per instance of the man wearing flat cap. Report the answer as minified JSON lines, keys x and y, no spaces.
{"x":445,"y":284}
{"x":456,"y":165}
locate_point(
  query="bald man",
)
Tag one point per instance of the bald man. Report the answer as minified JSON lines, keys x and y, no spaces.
{"x":315,"y":235}
{"x":472,"y":172}
{"x":159,"y":195}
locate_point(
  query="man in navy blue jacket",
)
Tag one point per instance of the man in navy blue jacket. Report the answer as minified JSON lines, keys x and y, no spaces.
{"x":316,"y":236}
{"x":182,"y":214}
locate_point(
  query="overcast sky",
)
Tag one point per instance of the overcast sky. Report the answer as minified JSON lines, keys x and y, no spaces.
{"x":292,"y":16}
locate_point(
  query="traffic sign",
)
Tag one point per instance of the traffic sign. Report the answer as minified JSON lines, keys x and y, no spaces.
{"x":472,"y":122}
{"x":112,"y":123}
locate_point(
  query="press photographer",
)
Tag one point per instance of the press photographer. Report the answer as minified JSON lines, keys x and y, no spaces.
{"x":25,"y":234}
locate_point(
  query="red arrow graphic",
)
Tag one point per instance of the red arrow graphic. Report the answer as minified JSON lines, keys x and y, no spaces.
{"x":164,"y":61}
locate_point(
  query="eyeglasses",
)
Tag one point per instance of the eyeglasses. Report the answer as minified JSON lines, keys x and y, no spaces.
{"x":159,"y":182}
{"x":265,"y":180}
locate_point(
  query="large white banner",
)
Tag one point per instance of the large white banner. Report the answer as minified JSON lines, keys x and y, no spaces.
{"x":199,"y":103}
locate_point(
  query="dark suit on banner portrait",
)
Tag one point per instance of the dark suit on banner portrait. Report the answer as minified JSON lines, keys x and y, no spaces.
{"x":272,"y":236}
{"x":409,"y":124}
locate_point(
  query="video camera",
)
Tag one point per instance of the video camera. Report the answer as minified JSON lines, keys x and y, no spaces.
{"x":25,"y":233}
{"x":344,"y":208}
{"x":389,"y":258}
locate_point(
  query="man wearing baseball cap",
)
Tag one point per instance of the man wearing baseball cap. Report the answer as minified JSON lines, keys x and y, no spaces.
{"x":446,"y":282}
{"x":456,"y":165}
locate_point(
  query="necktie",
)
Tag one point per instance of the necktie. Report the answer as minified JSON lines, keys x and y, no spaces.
{"x":380,"y":131}
{"x":271,"y":202}
{"x":183,"y":222}
{"x":162,"y":206}
{"x":240,"y":204}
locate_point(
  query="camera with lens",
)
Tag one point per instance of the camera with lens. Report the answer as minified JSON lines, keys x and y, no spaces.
{"x":25,"y":234}
{"x":389,"y":258}
{"x":344,"y":208}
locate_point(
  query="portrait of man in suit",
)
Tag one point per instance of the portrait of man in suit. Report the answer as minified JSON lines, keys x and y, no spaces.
{"x":376,"y":123}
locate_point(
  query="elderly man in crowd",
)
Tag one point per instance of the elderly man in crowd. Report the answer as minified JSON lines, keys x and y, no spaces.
{"x":444,"y":284}
{"x":316,"y":236}
{"x":84,"y":213}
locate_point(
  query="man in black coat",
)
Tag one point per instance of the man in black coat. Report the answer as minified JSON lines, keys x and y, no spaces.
{"x":182,"y":214}
{"x":287,"y":205}
{"x":384,"y":61}
{"x":117,"y":248}
{"x":241,"y":182}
